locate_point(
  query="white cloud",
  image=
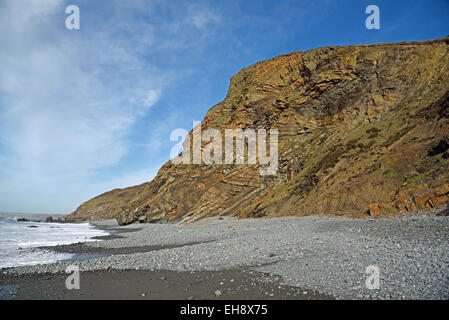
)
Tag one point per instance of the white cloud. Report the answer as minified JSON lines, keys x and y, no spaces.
{"x":152,"y":98}
{"x":67,"y":102}
{"x":69,"y":99}
{"x":202,"y":18}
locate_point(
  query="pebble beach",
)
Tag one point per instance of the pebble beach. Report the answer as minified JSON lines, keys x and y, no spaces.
{"x":314,"y":257}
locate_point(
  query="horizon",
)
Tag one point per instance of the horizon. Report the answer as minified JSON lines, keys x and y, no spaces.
{"x":28,"y":215}
{"x":90,"y":110}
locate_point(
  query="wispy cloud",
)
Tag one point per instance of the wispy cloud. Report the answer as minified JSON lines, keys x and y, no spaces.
{"x":202,"y":18}
{"x":68,"y":99}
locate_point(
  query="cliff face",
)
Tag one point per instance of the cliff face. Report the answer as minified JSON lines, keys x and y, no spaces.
{"x":358,"y":126}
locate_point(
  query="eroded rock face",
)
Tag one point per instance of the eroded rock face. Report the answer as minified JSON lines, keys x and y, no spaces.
{"x":357,"y":125}
{"x":109,"y":205}
{"x":422,"y":197}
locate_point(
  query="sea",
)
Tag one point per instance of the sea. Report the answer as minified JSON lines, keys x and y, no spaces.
{"x":20,"y":241}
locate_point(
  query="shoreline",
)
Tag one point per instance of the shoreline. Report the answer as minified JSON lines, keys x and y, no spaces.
{"x":312,"y":257}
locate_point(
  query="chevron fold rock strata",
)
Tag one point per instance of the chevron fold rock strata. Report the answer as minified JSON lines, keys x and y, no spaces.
{"x":359,"y":126}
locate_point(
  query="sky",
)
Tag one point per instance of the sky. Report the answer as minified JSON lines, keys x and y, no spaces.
{"x":88,"y":110}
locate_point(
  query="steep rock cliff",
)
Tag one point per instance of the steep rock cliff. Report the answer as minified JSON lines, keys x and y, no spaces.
{"x":358,"y":125}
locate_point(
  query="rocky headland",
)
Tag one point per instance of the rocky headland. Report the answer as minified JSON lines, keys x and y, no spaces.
{"x":363,"y":129}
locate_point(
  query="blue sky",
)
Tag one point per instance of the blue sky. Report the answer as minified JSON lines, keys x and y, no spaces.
{"x":85,"y":111}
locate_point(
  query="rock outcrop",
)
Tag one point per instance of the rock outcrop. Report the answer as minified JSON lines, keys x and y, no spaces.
{"x":358,"y":126}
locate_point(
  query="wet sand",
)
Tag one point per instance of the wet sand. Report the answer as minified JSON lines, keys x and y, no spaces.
{"x":154,"y":285}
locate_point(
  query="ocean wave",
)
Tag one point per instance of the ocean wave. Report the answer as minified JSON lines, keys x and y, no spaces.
{"x":17,"y":237}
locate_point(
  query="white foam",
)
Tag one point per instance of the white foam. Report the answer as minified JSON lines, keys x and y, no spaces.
{"x":16,"y":239}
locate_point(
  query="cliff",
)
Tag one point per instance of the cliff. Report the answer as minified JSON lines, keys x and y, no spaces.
{"x":359,"y":126}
